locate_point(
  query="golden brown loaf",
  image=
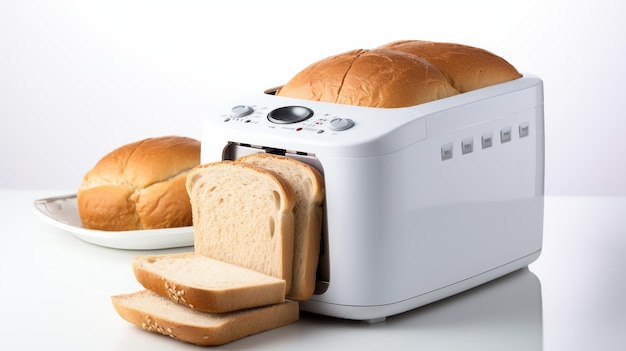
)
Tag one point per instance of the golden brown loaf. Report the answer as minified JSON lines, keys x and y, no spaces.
{"x":372,"y":78}
{"x":467,"y":68}
{"x":140,"y":185}
{"x":399,"y":74}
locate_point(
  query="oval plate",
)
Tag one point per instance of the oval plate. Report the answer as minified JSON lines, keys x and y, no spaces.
{"x":62,"y":212}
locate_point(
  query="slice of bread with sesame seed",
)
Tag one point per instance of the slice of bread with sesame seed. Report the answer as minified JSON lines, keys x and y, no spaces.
{"x":155,"y":313}
{"x":206,"y":284}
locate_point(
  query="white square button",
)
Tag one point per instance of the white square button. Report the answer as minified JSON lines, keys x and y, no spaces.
{"x":446,"y":151}
{"x":524,"y":129}
{"x":487,"y":140}
{"x":505,"y":135}
{"x":467,"y":145}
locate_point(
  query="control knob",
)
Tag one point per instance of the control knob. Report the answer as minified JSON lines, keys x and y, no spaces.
{"x":241,"y":111}
{"x":339,"y":124}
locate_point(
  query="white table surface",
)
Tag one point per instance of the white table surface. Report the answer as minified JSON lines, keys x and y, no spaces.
{"x":55,"y":291}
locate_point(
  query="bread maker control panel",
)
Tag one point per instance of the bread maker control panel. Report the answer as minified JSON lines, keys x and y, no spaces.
{"x":288,"y":115}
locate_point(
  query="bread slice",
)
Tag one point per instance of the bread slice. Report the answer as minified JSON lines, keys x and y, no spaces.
{"x":243,"y":215}
{"x":308,"y":184}
{"x":206,"y":284}
{"x":155,"y":313}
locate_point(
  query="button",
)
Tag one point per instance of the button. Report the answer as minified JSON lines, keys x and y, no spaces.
{"x":505,"y":135}
{"x":486,"y":140}
{"x":467,"y":145}
{"x":241,"y":111}
{"x":339,"y":124}
{"x":446,"y":151}
{"x":524,"y":129}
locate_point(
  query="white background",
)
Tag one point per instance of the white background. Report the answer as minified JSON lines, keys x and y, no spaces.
{"x":80,"y":78}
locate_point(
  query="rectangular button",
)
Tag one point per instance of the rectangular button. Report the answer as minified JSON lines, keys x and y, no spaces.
{"x":467,"y":145}
{"x":524,"y":129}
{"x":446,"y":151}
{"x":505,"y":135}
{"x":487,"y":140}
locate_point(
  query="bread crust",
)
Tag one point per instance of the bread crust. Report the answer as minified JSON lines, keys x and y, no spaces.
{"x":140,"y":185}
{"x":467,"y":68}
{"x":390,"y":79}
{"x":159,"y":315}
{"x":322,"y":80}
{"x":399,"y":74}
{"x":372,"y":78}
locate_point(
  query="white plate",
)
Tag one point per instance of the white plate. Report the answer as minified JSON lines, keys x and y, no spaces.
{"x":62,"y":213}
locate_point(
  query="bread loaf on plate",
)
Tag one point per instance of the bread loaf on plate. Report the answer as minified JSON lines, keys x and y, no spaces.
{"x":243,"y":215}
{"x":205,"y":284}
{"x":140,"y":185}
{"x":308,"y":184}
{"x":155,"y":313}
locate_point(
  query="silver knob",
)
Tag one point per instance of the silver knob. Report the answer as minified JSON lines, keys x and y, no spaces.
{"x":241,"y":111}
{"x":339,"y":124}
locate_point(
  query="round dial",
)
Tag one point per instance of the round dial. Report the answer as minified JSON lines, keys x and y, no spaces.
{"x":290,"y":114}
{"x":339,"y":124}
{"x":241,"y":111}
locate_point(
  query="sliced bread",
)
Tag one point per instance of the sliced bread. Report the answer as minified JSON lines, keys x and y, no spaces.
{"x":206,"y":284}
{"x":243,"y":215}
{"x":158,"y":314}
{"x":308,"y":184}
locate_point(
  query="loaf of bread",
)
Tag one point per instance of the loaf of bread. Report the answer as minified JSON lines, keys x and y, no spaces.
{"x":373,"y":78}
{"x":140,"y":186}
{"x":308,"y":185}
{"x":467,"y":68}
{"x":205,"y":284}
{"x":155,"y":313}
{"x":243,"y":215}
{"x":399,"y":74}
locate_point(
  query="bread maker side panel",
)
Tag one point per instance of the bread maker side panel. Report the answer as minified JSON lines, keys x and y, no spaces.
{"x":460,"y":208}
{"x":410,"y":228}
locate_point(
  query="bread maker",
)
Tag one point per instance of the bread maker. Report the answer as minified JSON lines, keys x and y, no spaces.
{"x":422,"y":202}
